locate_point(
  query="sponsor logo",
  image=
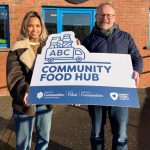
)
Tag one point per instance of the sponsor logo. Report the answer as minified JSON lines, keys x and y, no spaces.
{"x":114,"y":95}
{"x":46,"y":95}
{"x":72,"y":93}
{"x":119,"y":96}
{"x":40,"y":95}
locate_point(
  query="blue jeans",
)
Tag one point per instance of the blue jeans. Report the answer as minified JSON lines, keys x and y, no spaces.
{"x":24,"y":127}
{"x":118,"y":117}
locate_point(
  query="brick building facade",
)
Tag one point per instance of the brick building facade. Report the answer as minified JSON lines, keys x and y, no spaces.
{"x":133,"y":16}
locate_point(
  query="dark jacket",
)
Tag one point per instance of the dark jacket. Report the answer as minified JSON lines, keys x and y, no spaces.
{"x":20,"y":63}
{"x":119,"y":42}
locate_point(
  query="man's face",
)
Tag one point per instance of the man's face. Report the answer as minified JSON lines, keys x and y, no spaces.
{"x":105,"y":17}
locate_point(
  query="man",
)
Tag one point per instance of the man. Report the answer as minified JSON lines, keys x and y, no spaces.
{"x":106,"y":37}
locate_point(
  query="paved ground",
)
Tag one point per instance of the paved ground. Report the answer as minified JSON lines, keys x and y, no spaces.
{"x":71,"y":127}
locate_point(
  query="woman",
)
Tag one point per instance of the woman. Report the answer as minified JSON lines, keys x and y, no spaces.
{"x":20,"y":63}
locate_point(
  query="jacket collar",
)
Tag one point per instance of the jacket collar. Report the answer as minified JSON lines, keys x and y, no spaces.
{"x":97,"y":31}
{"x":28,"y":56}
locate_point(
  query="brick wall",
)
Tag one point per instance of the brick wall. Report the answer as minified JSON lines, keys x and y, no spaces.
{"x":3,"y":85}
{"x":132,"y":16}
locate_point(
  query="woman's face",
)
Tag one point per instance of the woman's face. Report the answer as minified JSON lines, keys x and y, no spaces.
{"x":34,"y":28}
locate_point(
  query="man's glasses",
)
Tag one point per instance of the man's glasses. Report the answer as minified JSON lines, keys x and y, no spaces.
{"x":109,"y":16}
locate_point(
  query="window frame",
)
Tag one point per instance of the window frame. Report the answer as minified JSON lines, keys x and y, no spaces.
{"x":7,"y":27}
{"x":61,"y":10}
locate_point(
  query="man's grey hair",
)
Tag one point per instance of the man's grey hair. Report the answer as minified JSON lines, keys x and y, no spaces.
{"x":106,"y":3}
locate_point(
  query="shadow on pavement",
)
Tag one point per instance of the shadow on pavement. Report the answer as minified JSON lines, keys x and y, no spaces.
{"x":52,"y":145}
{"x":144,"y":124}
{"x":5,"y":146}
{"x":3,"y":123}
{"x":6,"y":124}
{"x":55,"y":146}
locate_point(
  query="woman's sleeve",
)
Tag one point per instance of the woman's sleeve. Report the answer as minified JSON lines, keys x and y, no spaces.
{"x":16,"y":80}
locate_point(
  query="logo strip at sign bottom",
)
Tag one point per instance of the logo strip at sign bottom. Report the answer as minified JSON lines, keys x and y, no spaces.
{"x":94,"y":95}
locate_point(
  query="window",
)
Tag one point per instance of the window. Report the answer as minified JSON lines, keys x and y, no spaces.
{"x":4,"y":26}
{"x":79,"y":20}
{"x":50,"y":16}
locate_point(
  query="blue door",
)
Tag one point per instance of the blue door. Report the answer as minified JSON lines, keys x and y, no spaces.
{"x":78,"y":20}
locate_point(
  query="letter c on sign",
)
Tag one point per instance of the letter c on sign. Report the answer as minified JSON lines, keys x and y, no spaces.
{"x":67,"y":53}
{"x":45,"y":69}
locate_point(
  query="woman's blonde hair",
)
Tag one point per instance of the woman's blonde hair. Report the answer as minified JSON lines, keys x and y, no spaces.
{"x":23,"y":30}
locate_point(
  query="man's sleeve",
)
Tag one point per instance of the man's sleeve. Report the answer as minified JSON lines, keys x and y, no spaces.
{"x":135,"y":55}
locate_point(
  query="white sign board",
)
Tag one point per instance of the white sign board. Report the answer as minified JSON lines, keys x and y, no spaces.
{"x":66,"y":73}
